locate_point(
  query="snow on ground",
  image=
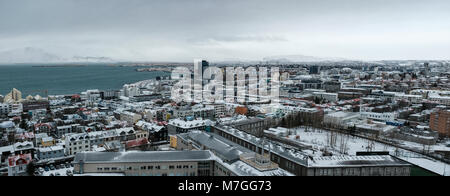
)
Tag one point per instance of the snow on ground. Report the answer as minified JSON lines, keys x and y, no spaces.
{"x":431,"y":165}
{"x":62,"y":172}
{"x":100,"y":174}
{"x":319,"y":139}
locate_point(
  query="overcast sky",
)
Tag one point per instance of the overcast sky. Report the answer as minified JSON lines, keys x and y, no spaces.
{"x":181,"y":30}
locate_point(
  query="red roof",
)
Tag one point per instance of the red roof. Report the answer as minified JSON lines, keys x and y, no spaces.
{"x":137,"y":142}
{"x":22,"y":159}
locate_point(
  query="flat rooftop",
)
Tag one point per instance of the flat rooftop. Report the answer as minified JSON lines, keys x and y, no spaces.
{"x":356,"y":161}
{"x":143,"y":157}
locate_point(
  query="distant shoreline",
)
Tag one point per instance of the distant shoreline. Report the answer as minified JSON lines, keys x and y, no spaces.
{"x":59,"y":65}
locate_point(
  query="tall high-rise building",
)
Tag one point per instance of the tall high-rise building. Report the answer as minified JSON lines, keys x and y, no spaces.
{"x":440,"y":122}
{"x":199,"y":67}
{"x":314,"y":69}
{"x":427,"y":68}
{"x":14,"y":96}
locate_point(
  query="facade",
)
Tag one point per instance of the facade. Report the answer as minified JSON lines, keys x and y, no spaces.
{"x":156,"y":133}
{"x":35,"y":105}
{"x":107,"y":95}
{"x":62,"y":130}
{"x":17,"y":164}
{"x":5,"y":109}
{"x":311,"y":84}
{"x":51,"y":152}
{"x":47,"y":141}
{"x":314,"y":69}
{"x":231,"y":159}
{"x":301,"y":164}
{"x":219,"y":110}
{"x":77,"y":143}
{"x":13,"y":97}
{"x":440,"y":122}
{"x":340,"y":118}
{"x":130,"y":117}
{"x":176,"y":126}
{"x":384,"y":117}
{"x":149,"y":163}
{"x":332,"y":86}
{"x":202,"y":112}
{"x":331,"y":97}
{"x":142,"y":98}
{"x":254,"y":126}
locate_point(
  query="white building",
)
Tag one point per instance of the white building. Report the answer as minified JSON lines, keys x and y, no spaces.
{"x":441,"y":99}
{"x":76,"y":143}
{"x":130,"y":117}
{"x":130,"y":90}
{"x":331,"y":97}
{"x":340,"y":118}
{"x":5,"y":108}
{"x":386,"y":116}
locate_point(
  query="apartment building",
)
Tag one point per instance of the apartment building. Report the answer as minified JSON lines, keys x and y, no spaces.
{"x":440,"y":122}
{"x":148,"y":163}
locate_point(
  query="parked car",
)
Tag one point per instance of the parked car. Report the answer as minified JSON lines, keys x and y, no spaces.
{"x":52,"y":167}
{"x":52,"y":174}
{"x":58,"y":167}
{"x":57,"y":174}
{"x":69,"y":172}
{"x":37,"y":173}
{"x":41,"y":170}
{"x":62,"y":166}
{"x":67,"y":165}
{"x":46,"y":168}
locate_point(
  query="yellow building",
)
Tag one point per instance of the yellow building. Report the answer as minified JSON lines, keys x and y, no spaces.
{"x":173,"y":141}
{"x":13,"y":97}
{"x":48,"y":141}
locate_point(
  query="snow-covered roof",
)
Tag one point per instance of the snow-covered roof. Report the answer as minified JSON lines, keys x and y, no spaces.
{"x":7,"y":124}
{"x":50,"y":148}
{"x":355,"y":161}
{"x":142,"y":156}
{"x":189,"y":124}
{"x":149,"y":126}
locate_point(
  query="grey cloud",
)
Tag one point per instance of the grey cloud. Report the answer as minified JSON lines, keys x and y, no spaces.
{"x":183,"y":29}
{"x":237,"y":38}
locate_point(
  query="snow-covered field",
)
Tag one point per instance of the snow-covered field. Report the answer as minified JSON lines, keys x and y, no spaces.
{"x":62,"y":172}
{"x":345,"y":144}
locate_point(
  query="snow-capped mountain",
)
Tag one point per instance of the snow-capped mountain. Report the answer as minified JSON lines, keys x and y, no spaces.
{"x":28,"y":55}
{"x":37,"y":55}
{"x":300,"y":58}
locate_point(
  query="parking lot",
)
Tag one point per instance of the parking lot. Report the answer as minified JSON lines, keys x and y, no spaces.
{"x":64,"y":169}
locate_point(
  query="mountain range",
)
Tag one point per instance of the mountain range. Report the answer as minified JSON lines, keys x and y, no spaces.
{"x":37,"y":55}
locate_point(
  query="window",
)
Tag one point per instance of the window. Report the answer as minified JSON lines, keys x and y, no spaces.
{"x":150,"y":167}
{"x":157,"y":167}
{"x":171,"y":167}
{"x":143,"y":167}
